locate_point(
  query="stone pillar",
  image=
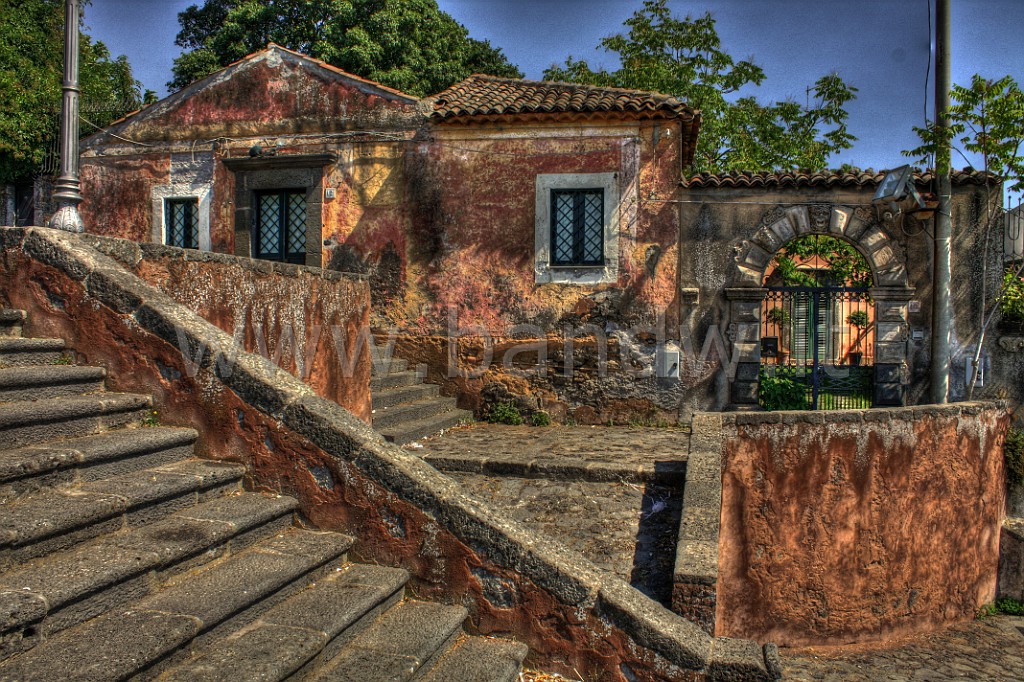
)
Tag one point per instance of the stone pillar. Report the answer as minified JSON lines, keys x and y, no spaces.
{"x":744,"y":333}
{"x":892,"y":331}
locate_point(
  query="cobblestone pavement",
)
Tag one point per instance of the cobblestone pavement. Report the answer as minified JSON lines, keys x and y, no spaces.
{"x":991,"y":649}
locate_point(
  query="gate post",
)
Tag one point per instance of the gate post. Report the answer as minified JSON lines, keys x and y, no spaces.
{"x":892,"y":332}
{"x":744,"y":333}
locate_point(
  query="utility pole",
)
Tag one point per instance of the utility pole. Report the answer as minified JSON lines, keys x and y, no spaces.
{"x":942,"y":311}
{"x":66,"y":191}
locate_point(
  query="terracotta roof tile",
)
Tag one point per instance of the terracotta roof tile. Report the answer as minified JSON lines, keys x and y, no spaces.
{"x":778,"y":179}
{"x":490,"y":96}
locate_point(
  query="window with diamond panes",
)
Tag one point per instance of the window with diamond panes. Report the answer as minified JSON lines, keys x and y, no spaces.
{"x":281,"y":225}
{"x":577,"y":227}
{"x":181,"y":223}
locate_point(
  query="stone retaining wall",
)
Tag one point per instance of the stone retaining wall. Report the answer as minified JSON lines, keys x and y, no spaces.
{"x":854,"y":526}
{"x":695,"y":578}
{"x":401,"y":510}
{"x":576,"y":376}
{"x":312,"y":323}
{"x":1011,"y":560}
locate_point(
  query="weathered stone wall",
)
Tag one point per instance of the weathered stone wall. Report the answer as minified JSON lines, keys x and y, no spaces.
{"x":311,"y":323}
{"x":717,"y":228}
{"x":1011,"y":560}
{"x":401,"y":511}
{"x":856,"y":526}
{"x":695,"y":574}
{"x":590,"y":379}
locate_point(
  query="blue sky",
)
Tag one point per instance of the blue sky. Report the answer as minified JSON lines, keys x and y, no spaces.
{"x":880,"y":46}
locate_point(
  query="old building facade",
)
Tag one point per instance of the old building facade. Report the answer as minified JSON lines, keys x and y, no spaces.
{"x":529,"y":240}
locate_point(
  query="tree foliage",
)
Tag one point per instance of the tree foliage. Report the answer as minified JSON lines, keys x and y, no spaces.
{"x":410,"y":45}
{"x":834,"y":262}
{"x":685,"y":58}
{"x":31,"y":72}
{"x":985,"y":118}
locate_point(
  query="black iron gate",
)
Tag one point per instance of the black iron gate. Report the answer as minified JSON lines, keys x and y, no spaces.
{"x":817,"y":348}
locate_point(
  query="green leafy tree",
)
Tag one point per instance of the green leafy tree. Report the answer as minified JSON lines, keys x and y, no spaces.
{"x":31,"y":71}
{"x":837,"y":263}
{"x":410,"y":45}
{"x":985,"y":118}
{"x":685,"y":58}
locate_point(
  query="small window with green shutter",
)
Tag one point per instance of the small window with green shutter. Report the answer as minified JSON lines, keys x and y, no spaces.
{"x":182,"y":222}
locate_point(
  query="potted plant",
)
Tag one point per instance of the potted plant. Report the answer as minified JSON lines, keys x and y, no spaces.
{"x":860,"y":321}
{"x":781,"y":318}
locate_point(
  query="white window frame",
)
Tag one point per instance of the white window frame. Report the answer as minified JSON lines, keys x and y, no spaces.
{"x":544,"y":271}
{"x":161,"y":194}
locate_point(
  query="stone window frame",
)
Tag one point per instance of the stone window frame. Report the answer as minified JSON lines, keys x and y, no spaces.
{"x":161,"y":194}
{"x":279,"y":173}
{"x":544,"y":271}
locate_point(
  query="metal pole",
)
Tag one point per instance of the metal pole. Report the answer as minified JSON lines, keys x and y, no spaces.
{"x":942,"y":311}
{"x":66,"y":191}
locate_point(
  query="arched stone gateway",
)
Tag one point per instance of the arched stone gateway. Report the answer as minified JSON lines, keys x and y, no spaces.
{"x":891,"y":292}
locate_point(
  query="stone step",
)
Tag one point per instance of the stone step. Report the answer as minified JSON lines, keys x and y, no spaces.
{"x":25,"y":422}
{"x":54,"y":520}
{"x":59,"y":591}
{"x":407,"y":432}
{"x":12,"y":322}
{"x":19,"y":352}
{"x":395,"y":379}
{"x":49,"y":381}
{"x":480,"y":659}
{"x":388,"y":417}
{"x":401,"y":645}
{"x":392,"y":397}
{"x":90,"y":458}
{"x":394,"y":366}
{"x":296,"y":634}
{"x":189,"y":608}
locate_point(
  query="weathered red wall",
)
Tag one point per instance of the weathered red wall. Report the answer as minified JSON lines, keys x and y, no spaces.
{"x":270,"y":93}
{"x":473,"y":194}
{"x":117,"y":194}
{"x":859,"y":526}
{"x":307,"y":323}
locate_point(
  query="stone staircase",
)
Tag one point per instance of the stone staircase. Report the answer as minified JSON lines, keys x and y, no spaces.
{"x":123,"y":556}
{"x":405,"y":408}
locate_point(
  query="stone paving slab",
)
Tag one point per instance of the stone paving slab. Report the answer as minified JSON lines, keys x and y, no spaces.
{"x":625,"y":528}
{"x":989,"y":649}
{"x":580,"y":453}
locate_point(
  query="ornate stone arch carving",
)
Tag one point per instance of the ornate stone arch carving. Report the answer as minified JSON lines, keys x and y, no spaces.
{"x":891,"y":291}
{"x":858,"y":226}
